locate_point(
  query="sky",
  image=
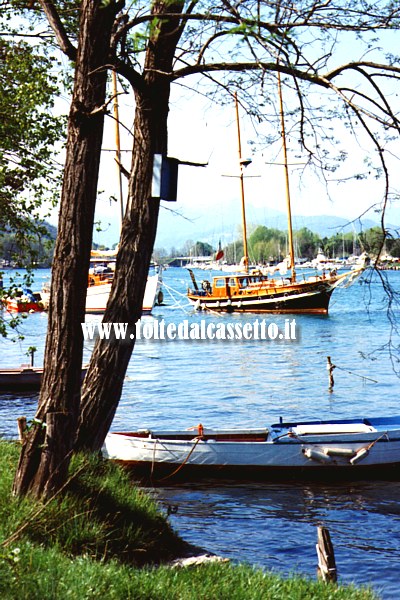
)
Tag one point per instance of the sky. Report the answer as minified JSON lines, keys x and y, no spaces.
{"x":204,"y":133}
{"x":200,"y":131}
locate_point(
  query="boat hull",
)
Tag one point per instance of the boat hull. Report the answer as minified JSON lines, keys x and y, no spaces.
{"x":15,"y":380}
{"x":15,"y":305}
{"x":146,"y":472}
{"x":97,"y":296}
{"x":315,"y":299}
{"x":23,"y":379}
{"x":344,"y":449}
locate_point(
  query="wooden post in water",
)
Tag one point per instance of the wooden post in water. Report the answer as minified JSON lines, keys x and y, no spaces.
{"x":330,"y":368}
{"x":31,"y":353}
{"x":21,"y":421}
{"x":326,"y":557}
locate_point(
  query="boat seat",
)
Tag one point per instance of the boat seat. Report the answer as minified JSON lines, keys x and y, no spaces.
{"x":331,"y":428}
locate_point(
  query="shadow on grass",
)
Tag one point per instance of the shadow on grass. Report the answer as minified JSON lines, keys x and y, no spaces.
{"x":103,"y":515}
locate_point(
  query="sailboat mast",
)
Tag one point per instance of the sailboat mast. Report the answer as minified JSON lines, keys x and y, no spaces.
{"x":241,"y":177}
{"x":285,"y":164}
{"x":118,"y":143}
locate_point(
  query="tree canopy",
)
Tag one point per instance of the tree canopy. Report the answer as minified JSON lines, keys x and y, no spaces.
{"x":28,"y":132}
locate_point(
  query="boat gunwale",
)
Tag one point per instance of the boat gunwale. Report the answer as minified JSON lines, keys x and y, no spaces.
{"x":386,"y":428}
{"x":384,"y":436}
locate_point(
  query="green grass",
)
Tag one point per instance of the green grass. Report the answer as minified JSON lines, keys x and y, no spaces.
{"x":101,"y":514}
{"x":106,"y":539}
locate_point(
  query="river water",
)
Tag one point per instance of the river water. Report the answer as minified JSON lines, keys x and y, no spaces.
{"x":179,"y":383}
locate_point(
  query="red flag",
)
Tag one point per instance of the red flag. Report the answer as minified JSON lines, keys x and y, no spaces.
{"x":220,"y":252}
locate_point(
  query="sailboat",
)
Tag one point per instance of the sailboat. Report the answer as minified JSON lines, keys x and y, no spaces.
{"x":252,"y":290}
{"x":102,"y":264}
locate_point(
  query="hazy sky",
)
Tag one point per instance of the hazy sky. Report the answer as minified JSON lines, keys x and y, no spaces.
{"x":203,"y":133}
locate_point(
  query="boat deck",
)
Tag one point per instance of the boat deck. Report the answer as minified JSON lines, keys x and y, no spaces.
{"x":340,"y":425}
{"x":284,"y":432}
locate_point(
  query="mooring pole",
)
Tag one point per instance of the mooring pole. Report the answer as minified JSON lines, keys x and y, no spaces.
{"x":326,"y":557}
{"x":21,"y":421}
{"x":330,"y":368}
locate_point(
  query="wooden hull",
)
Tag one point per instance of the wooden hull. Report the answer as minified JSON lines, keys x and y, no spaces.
{"x":336,"y":449}
{"x":313,"y":298}
{"x":20,"y":379}
{"x":309,"y":296}
{"x":23,"y":379}
{"x":163,"y":474}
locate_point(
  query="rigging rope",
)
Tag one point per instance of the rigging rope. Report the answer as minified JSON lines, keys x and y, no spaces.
{"x":177,"y":304}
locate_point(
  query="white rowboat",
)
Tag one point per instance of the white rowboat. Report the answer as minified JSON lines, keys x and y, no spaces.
{"x":351,"y":448}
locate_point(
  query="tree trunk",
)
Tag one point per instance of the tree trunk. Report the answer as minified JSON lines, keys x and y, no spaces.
{"x":45,"y":457}
{"x":104,"y":378}
{"x":103,"y":382}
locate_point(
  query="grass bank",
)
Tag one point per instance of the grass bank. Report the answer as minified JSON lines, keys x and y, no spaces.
{"x":106,"y":539}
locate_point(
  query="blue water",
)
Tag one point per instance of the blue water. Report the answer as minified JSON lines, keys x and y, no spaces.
{"x":220,"y":383}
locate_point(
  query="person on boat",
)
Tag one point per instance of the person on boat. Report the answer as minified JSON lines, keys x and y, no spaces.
{"x":28,"y":294}
{"x":206,"y":286}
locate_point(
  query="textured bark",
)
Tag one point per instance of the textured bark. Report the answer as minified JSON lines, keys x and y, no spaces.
{"x":103,"y":383}
{"x":42,"y":467}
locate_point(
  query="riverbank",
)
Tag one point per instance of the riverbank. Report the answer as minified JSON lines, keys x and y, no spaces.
{"x":106,"y":538}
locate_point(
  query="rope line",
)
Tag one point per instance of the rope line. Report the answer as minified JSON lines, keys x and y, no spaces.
{"x":182,"y":464}
{"x":356,"y":374}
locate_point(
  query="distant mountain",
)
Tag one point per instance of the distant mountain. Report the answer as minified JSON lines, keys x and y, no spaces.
{"x":327,"y":225}
{"x":196,"y":224}
{"x":174,"y":230}
{"x":51,"y":229}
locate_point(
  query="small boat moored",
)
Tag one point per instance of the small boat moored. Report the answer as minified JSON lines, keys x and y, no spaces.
{"x":24,"y":301}
{"x":25,"y":378}
{"x":253,"y":290}
{"x":337,"y":449}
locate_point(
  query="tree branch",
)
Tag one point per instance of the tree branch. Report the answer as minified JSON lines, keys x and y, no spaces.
{"x":352,"y":65}
{"x":249,"y":66}
{"x":59,"y":30}
{"x":186,"y":16}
